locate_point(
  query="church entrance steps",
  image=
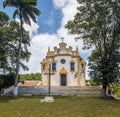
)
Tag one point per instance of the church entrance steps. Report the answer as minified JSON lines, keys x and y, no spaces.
{"x":62,"y":90}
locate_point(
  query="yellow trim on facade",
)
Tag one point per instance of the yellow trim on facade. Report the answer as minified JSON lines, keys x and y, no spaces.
{"x":78,"y":75}
{"x":54,"y":61}
{"x":63,"y":71}
{"x":72,"y":61}
{"x":85,"y":73}
{"x":72,"y":54}
{"x":72,"y":71}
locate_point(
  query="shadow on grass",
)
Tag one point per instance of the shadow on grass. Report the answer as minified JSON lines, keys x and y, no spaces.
{"x":6,"y":99}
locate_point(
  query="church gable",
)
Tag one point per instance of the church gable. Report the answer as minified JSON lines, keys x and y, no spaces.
{"x":63,"y":50}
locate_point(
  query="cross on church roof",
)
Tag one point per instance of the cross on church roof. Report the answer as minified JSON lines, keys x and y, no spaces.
{"x":62,"y":39}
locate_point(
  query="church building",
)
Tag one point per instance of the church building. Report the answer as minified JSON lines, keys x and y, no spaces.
{"x":64,"y":67}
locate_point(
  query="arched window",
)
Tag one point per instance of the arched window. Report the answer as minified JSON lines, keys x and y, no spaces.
{"x":54,"y":66}
{"x":44,"y":67}
{"x":82,"y":69}
{"x":82,"y":66}
{"x":72,"y":66}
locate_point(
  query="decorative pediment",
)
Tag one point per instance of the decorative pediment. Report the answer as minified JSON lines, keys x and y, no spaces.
{"x":62,"y":50}
{"x":63,"y":71}
{"x":72,"y":61}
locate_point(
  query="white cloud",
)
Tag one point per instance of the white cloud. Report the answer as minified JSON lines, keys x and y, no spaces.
{"x":33,"y":29}
{"x":39,"y":47}
{"x":60,"y":3}
{"x":69,"y":11}
{"x":41,"y":42}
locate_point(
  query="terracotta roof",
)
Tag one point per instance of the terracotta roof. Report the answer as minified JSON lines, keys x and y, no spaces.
{"x":31,"y":83}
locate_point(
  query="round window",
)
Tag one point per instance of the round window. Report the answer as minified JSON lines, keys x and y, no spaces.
{"x":62,"y":61}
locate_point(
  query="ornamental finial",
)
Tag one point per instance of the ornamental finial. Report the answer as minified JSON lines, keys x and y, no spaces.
{"x":76,"y":48}
{"x":49,"y":49}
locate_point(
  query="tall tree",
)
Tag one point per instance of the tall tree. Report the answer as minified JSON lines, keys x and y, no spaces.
{"x":9,"y":41}
{"x":3,"y":24}
{"x":98,"y":24}
{"x":26,"y":10}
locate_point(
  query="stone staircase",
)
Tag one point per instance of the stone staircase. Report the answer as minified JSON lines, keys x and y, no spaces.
{"x":61,"y":90}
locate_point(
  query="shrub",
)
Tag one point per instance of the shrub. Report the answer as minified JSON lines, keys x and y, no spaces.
{"x":117,"y":94}
{"x":93,"y":82}
{"x":32,"y":76}
{"x":7,"y":80}
{"x":115,"y":88}
{"x":1,"y":83}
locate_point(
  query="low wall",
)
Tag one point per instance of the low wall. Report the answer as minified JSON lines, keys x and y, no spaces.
{"x":62,"y":90}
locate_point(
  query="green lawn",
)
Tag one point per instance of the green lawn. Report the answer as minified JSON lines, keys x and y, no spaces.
{"x":62,"y":107}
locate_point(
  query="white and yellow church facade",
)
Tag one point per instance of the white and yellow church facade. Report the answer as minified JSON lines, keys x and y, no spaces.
{"x":66,"y":67}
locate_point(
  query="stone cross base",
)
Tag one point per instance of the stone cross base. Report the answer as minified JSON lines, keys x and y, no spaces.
{"x":48,"y":99}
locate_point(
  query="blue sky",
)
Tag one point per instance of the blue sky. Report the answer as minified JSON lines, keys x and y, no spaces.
{"x":50,"y":17}
{"x":49,"y":30}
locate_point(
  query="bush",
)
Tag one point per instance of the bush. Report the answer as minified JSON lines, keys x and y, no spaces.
{"x":32,"y":76}
{"x":93,"y":82}
{"x":117,"y":94}
{"x":115,"y":88}
{"x":1,"y":83}
{"x":7,"y":80}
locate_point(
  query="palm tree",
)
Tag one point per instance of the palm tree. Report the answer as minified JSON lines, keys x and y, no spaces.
{"x":26,"y":10}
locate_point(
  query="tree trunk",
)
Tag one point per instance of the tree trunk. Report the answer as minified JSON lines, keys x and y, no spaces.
{"x":15,"y":91}
{"x":105,"y":86}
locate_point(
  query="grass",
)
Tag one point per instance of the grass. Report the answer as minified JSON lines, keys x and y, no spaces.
{"x":62,"y":107}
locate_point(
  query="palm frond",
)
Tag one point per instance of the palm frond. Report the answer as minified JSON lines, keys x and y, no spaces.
{"x":16,"y":12}
{"x":36,"y":11}
{"x":14,"y":3}
{"x":32,"y":16}
{"x":31,"y":2}
{"x":26,"y":18}
{"x":27,"y":7}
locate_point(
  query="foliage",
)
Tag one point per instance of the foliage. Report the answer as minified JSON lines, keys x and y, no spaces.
{"x":117,"y":94}
{"x":9,"y":38}
{"x":25,"y":9}
{"x":98,"y":25}
{"x":115,"y":88}
{"x":32,"y":76}
{"x":3,"y":26}
{"x":93,"y":82}
{"x":73,"y":106}
{"x":104,"y":69}
{"x":1,"y":82}
{"x":7,"y":80}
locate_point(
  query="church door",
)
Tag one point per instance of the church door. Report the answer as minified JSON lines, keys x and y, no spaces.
{"x":63,"y":79}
